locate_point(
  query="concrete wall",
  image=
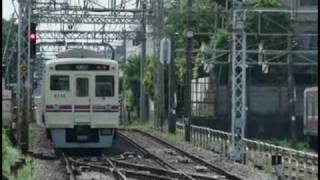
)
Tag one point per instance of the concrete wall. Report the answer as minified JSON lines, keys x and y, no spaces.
{"x":267,"y":113}
{"x":262,"y":100}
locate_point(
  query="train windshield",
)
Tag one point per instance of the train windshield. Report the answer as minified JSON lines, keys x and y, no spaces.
{"x":104,"y":86}
{"x":59,"y":83}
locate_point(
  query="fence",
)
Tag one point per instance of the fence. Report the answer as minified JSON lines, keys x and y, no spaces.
{"x":286,"y":163}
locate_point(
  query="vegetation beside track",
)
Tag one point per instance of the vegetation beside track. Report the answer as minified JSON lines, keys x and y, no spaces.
{"x":10,"y":156}
{"x":34,"y":130}
{"x":149,"y":127}
{"x":288,"y":143}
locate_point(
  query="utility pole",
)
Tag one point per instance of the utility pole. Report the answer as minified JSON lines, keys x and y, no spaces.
{"x":238,"y":78}
{"x":143,"y":109}
{"x":124,"y":45}
{"x":123,"y":80}
{"x":172,"y":90}
{"x":24,"y":73}
{"x":158,"y":7}
{"x":188,"y":109}
{"x":291,"y":82}
{"x":291,"y":85}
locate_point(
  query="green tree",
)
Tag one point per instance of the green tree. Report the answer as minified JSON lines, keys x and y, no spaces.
{"x":9,"y":30}
{"x":131,"y":78}
{"x":149,"y":76}
{"x":203,"y":19}
{"x":9,"y":44}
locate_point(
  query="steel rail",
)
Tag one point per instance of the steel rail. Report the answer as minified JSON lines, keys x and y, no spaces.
{"x":125,"y":172}
{"x":69,"y":168}
{"x":145,"y":175}
{"x":116,"y":171}
{"x":148,"y":154}
{"x":195,"y":158}
{"x":161,"y":171}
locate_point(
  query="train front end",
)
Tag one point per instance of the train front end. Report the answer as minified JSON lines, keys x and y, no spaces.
{"x":81,"y":106}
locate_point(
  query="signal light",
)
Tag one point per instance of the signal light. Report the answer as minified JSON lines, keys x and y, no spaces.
{"x":33,"y":38}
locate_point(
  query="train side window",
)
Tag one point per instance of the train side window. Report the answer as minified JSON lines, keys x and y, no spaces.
{"x":316,"y":107}
{"x":104,"y":86}
{"x":82,"y":87}
{"x":59,"y":83}
{"x":309,"y":107}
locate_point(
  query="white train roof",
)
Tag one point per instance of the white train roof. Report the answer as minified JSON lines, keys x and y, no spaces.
{"x":81,"y":60}
{"x":79,"y":53}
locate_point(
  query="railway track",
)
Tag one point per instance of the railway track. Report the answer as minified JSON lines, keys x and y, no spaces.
{"x":174,"y":158}
{"x":109,"y":169}
{"x":151,"y":159}
{"x":105,"y":167}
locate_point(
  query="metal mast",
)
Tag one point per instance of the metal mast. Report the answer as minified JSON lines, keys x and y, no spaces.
{"x":89,"y":22}
{"x":24,"y":85}
{"x":143,"y":110}
{"x":238,"y":75}
{"x":189,"y":37}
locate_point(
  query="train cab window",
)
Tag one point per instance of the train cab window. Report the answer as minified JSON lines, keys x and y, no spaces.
{"x":82,"y":87}
{"x":104,"y":86}
{"x":309,"y":107}
{"x":59,"y":83}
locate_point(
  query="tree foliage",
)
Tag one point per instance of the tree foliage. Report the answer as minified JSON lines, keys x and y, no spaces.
{"x":131,"y":78}
{"x":203,"y":20}
{"x":9,"y":30}
{"x":149,"y":76}
{"x":9,"y":43}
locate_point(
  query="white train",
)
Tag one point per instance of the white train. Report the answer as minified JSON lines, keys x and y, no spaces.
{"x":80,"y":106}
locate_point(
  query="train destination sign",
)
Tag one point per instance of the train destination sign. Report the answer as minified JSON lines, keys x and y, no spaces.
{"x":82,"y":67}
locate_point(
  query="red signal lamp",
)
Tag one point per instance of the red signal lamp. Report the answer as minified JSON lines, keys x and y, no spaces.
{"x":34,"y":37}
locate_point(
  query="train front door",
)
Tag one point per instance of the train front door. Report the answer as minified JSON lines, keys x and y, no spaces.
{"x":82,"y":100}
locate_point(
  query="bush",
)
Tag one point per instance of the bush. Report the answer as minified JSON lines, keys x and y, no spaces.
{"x":10,"y":154}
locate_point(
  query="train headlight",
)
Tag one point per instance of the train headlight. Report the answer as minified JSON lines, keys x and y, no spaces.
{"x":105,"y":132}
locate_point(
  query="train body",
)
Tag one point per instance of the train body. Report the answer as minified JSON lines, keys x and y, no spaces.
{"x":79,"y":100}
{"x":310,"y":115}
